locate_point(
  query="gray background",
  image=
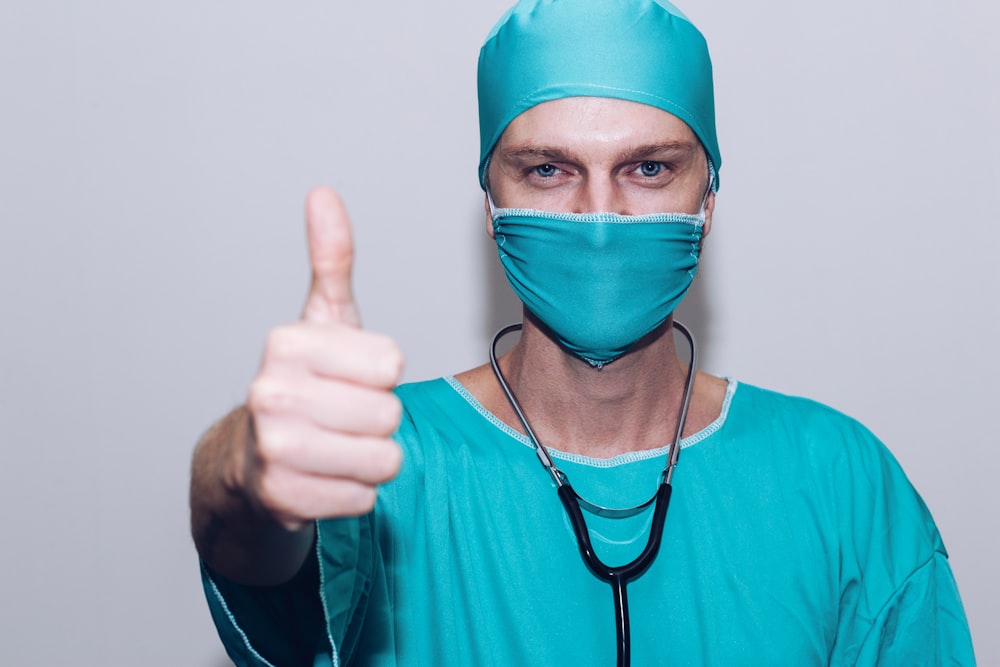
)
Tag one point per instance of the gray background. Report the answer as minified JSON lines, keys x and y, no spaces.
{"x":153,"y":161}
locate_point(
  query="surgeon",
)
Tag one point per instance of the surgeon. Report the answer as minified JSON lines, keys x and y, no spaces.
{"x":587,"y":498}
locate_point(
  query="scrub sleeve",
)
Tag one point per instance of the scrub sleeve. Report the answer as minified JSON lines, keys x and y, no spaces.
{"x":313,"y":619}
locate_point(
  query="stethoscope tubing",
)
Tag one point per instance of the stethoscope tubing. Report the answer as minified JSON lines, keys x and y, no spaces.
{"x":618,"y":576}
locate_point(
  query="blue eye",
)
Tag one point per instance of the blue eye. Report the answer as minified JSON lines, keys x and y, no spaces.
{"x":650,"y":168}
{"x":546,"y":170}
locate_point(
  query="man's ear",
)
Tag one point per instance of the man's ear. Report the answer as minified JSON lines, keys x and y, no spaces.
{"x":489,"y":216}
{"x":709,"y":209}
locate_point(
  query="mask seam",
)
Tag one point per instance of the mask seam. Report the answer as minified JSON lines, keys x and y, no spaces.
{"x":601,"y":217}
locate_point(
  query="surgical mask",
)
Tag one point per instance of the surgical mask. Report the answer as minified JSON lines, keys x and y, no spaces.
{"x":598,"y":281}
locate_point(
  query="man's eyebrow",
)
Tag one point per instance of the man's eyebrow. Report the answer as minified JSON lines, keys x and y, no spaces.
{"x":532,"y":153}
{"x":535,"y":153}
{"x":680,"y":149}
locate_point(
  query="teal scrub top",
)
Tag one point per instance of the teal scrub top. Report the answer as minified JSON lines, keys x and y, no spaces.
{"x":792,"y":538}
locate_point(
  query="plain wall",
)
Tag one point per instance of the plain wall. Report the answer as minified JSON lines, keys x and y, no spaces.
{"x":153,"y":162}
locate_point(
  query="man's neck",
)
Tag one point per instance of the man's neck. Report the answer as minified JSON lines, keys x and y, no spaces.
{"x":631,"y":404}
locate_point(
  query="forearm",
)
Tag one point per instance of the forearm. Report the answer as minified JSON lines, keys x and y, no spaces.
{"x":234,"y":536}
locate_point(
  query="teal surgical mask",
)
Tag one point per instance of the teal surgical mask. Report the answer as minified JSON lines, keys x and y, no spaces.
{"x":598,"y":281}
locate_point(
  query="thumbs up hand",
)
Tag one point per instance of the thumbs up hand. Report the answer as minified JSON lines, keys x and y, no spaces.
{"x":321,"y":405}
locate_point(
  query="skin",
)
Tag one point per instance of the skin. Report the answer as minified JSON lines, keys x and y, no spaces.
{"x":314,"y":437}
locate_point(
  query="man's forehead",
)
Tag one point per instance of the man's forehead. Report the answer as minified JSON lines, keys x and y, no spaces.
{"x":594,"y":122}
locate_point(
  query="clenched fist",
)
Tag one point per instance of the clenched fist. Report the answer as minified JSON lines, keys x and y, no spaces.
{"x":322,"y":406}
{"x":314,"y":439}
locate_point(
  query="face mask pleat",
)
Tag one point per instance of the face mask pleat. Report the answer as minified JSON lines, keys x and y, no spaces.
{"x":599,"y":281}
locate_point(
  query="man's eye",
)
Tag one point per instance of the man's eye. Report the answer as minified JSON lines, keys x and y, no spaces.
{"x":546,"y":170}
{"x":650,"y":168}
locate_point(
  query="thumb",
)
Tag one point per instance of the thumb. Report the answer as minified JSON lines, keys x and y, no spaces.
{"x":331,"y":255}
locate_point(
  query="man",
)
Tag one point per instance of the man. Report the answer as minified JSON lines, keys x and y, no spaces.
{"x":452,"y":525}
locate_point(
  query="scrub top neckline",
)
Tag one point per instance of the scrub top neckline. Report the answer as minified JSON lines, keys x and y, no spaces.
{"x":621,"y":459}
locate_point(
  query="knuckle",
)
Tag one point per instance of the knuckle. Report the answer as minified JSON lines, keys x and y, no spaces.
{"x":386,"y":461}
{"x":270,"y":493}
{"x":287,"y":498}
{"x":388,"y":415}
{"x":268,"y":396}
{"x":358,"y":499}
{"x":254,"y":396}
{"x":274,"y":445}
{"x":281,"y":344}
{"x":393,"y":361}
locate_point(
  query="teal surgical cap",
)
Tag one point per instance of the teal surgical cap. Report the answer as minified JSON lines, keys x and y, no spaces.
{"x":643,"y":51}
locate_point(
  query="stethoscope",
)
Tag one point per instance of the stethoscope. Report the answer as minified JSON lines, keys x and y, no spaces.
{"x":619,"y":576}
